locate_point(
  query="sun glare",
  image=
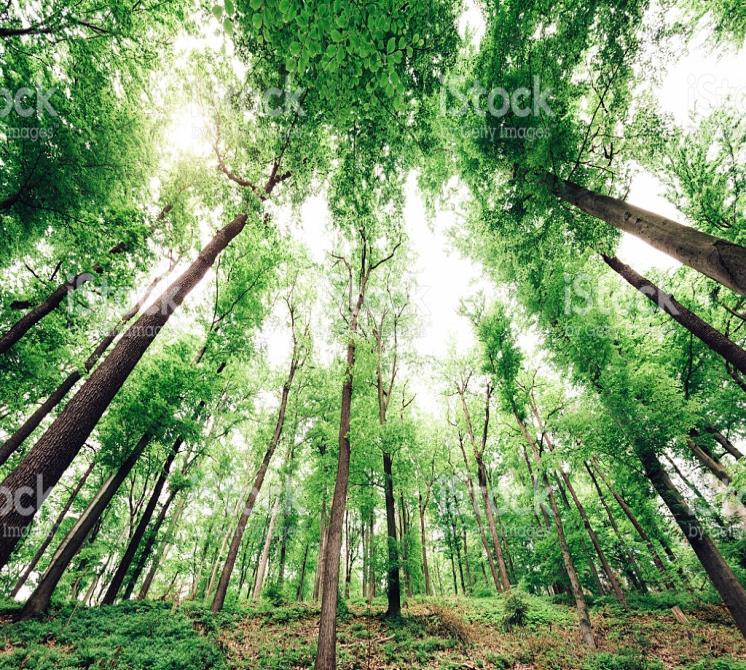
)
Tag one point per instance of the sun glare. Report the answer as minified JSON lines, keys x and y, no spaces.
{"x":187,"y":134}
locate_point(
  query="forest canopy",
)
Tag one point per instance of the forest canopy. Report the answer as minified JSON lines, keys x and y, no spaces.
{"x":373,"y":334}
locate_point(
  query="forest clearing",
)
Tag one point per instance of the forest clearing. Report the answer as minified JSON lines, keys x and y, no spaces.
{"x":355,"y":334}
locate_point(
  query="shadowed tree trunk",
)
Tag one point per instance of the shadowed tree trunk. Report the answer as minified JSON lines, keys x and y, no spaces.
{"x":393,"y":585}
{"x":302,"y":576}
{"x":264,"y":557}
{"x":725,"y":443}
{"x":720,"y":573}
{"x":422,"y":507}
{"x":58,"y":446}
{"x":709,"y":463}
{"x":698,"y":327}
{"x":38,"y":602}
{"x":719,"y":259}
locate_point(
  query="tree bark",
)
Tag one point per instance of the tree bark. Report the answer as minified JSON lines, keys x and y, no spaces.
{"x":393,"y":584}
{"x":264,"y":557}
{"x":709,"y":463}
{"x":59,"y":445}
{"x":38,"y":602}
{"x":698,"y":327}
{"x":302,"y":577}
{"x":162,"y":547}
{"x":721,"y":260}
{"x":52,"y":531}
{"x":33,"y":421}
{"x":423,"y":544}
{"x":725,"y":443}
{"x":720,"y":573}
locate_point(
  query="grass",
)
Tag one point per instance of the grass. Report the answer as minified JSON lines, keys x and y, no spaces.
{"x":521,"y":632}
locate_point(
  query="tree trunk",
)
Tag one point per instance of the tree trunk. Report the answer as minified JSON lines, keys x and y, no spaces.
{"x":638,"y":527}
{"x":148,"y":581}
{"x":423,"y":544}
{"x":58,"y":446}
{"x":142,"y":526}
{"x":230,"y":560}
{"x":302,"y":577}
{"x":33,"y":421}
{"x":709,"y":463}
{"x":393,"y":584}
{"x":52,"y":531}
{"x":719,"y":259}
{"x":38,"y":602}
{"x":608,"y":571}
{"x":725,"y":443}
{"x":264,"y":558}
{"x":577,"y":590}
{"x":698,"y":327}
{"x":634,"y":568}
{"x":721,"y":575}
{"x":482,"y":479}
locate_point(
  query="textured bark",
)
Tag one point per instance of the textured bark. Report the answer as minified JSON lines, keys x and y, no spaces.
{"x":720,"y":573}
{"x":59,"y":445}
{"x":709,"y":463}
{"x":713,"y":338}
{"x":33,"y":421}
{"x":52,"y":531}
{"x":248,"y":508}
{"x":264,"y":557}
{"x":725,"y":443}
{"x":719,"y":259}
{"x":38,"y":602}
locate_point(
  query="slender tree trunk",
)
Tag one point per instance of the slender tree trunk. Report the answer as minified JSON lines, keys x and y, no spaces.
{"x":393,"y":589}
{"x":230,"y":560}
{"x":638,"y":527}
{"x":634,"y":568}
{"x":698,"y":327}
{"x":38,"y":602}
{"x":423,"y":544}
{"x":323,"y":526}
{"x":719,"y":259}
{"x":725,"y":443}
{"x":371,"y":559}
{"x":302,"y":577}
{"x":52,"y":531}
{"x":264,"y":558}
{"x":482,"y":478}
{"x":720,"y":573}
{"x":709,"y":463}
{"x":129,"y":554}
{"x":160,"y":553}
{"x":33,"y":421}
{"x":49,"y":304}
{"x":478,"y":519}
{"x":584,"y":620}
{"x":58,"y":446}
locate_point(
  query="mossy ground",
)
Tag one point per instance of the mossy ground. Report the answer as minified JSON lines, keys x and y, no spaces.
{"x":432,"y":633}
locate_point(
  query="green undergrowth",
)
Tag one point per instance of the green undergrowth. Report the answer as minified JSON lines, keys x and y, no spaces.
{"x":515,"y":631}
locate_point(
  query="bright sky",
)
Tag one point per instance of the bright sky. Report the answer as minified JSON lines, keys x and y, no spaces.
{"x":697,"y":81}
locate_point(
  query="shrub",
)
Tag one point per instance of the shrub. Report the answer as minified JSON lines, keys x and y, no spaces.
{"x":516,"y":611}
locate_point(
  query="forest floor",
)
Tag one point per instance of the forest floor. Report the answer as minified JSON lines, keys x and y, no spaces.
{"x":439,"y":634}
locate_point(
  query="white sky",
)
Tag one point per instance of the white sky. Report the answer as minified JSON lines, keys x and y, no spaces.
{"x":689,"y":88}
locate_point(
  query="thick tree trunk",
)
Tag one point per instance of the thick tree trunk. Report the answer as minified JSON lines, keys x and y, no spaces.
{"x":719,"y":259}
{"x":38,"y":602}
{"x":423,"y":544}
{"x":58,"y":446}
{"x":393,"y":584}
{"x":33,"y":421}
{"x":52,"y":531}
{"x":142,"y":525}
{"x":264,"y":558}
{"x":698,"y":327}
{"x":720,"y":573}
